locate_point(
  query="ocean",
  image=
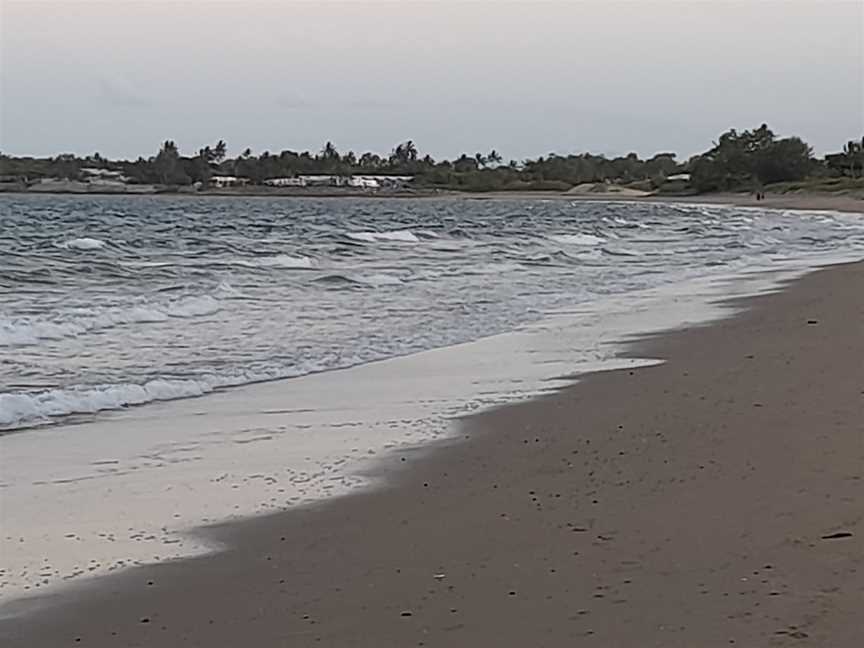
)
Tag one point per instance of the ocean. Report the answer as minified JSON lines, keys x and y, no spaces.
{"x":168,"y":363}
{"x":110,"y":302}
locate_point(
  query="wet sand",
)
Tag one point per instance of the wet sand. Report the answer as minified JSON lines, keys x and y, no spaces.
{"x":800,"y":201}
{"x":713,"y":500}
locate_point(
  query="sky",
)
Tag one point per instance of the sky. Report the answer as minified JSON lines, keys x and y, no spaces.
{"x":525,"y":78}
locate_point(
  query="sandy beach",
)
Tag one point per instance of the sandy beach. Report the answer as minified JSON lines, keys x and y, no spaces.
{"x":710,"y":500}
{"x":805,"y":201}
{"x":465,"y":330}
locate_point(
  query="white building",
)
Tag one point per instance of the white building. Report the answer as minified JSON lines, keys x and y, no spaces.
{"x":325,"y":180}
{"x":285,"y":182}
{"x":220,"y":181}
{"x":682,"y":177}
{"x":92,"y":174}
{"x":363,"y":182}
{"x":390,"y":181}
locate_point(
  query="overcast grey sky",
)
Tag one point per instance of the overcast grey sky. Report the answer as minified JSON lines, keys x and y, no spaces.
{"x":525,"y":78}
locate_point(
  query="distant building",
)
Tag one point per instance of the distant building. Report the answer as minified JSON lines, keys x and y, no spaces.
{"x":221,"y":182}
{"x":391,"y":181}
{"x":678,"y":177}
{"x":285,"y":182}
{"x":92,"y":174}
{"x":330,"y":180}
{"x":325,"y":180}
{"x":363,"y":182}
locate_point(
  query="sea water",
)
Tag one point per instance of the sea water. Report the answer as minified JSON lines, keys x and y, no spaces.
{"x":144,"y":342}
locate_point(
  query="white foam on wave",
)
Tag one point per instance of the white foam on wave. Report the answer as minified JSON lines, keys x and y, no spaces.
{"x":17,"y":409}
{"x":373,"y":279}
{"x":493,"y":268}
{"x":145,"y":264}
{"x":578,"y":239}
{"x":193,"y":307}
{"x":24,"y":331}
{"x":399,"y":236}
{"x":280,"y":261}
{"x":377,"y":279}
{"x":617,"y":220}
{"x":84,"y":243}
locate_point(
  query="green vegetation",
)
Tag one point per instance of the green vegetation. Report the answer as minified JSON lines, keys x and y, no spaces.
{"x":751,"y":159}
{"x":738,"y":161}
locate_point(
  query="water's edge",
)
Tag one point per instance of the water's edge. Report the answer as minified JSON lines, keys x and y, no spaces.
{"x":407,"y":402}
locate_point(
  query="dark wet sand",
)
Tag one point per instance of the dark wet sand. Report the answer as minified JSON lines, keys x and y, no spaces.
{"x":714,"y":500}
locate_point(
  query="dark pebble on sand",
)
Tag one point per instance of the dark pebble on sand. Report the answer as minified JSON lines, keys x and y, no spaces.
{"x":145,"y":620}
{"x":837,"y":536}
{"x":406,"y":613}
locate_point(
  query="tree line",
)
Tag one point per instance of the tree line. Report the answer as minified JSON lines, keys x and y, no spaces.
{"x":743,"y":160}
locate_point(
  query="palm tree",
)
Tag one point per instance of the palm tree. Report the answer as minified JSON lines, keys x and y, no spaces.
{"x":370,"y":161}
{"x":404,"y":154}
{"x":494,"y":157}
{"x":329,"y":152}
{"x":410,"y":150}
{"x":219,"y":151}
{"x":481,"y":159}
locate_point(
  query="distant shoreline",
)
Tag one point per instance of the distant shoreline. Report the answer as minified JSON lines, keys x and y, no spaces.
{"x":801,"y":201}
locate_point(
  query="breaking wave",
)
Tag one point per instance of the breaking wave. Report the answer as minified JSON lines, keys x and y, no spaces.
{"x":399,"y":236}
{"x":374,"y":280}
{"x":84,"y":243}
{"x":23,"y":331}
{"x":279,"y":261}
{"x":578,"y":239}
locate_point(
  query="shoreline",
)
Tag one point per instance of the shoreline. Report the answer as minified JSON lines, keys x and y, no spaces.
{"x":794,"y":201}
{"x":421,"y":391}
{"x":652,"y":506}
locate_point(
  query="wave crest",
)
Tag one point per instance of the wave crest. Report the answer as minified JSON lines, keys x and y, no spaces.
{"x":578,"y":239}
{"x":399,"y":236}
{"x":26,"y":331}
{"x":83,"y":243}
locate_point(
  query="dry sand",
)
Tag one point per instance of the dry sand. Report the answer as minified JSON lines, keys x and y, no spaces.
{"x":713,"y":500}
